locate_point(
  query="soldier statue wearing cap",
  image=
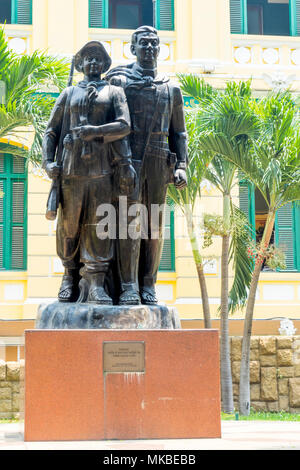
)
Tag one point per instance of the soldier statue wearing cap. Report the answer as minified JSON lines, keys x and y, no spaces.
{"x":77,"y":150}
{"x":158,"y":142}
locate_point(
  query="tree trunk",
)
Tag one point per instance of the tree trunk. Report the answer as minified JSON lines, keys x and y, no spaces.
{"x":226,"y":377}
{"x":199,"y":266}
{"x":244,"y":400}
{"x":204,"y":295}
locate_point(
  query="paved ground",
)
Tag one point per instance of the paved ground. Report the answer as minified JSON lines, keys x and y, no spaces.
{"x":236,"y":435}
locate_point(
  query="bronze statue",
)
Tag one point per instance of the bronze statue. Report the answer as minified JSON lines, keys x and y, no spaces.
{"x":124,"y":135}
{"x":158,"y":142}
{"x":79,"y":156}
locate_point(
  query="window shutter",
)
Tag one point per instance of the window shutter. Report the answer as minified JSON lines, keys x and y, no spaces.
{"x":295,"y":17}
{"x":2,"y":210}
{"x":244,"y":199}
{"x":13,"y":212}
{"x":284,"y":234}
{"x":167,"y":260}
{"x":19,"y":165}
{"x":22,"y":11}
{"x":1,"y":223}
{"x":296,"y":214}
{"x":98,"y":13}
{"x":238,"y":16}
{"x":18,"y":223}
{"x":2,"y":162}
{"x":247,"y":202}
{"x":165,"y":15}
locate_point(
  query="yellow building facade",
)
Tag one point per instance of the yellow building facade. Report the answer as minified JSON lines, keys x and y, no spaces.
{"x":219,"y":40}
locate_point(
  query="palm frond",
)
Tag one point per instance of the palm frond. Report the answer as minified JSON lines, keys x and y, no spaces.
{"x":242,"y":264}
{"x":23,"y":77}
{"x":5,"y":54}
{"x":193,"y":85}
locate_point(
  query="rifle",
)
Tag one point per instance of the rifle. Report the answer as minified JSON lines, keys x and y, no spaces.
{"x":54,"y":194}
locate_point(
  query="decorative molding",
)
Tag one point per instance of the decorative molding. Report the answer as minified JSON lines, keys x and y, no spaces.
{"x":270,"y":55}
{"x":14,"y":291}
{"x":278,"y":292}
{"x":18,"y":45}
{"x":242,"y":55}
{"x":295,"y":56}
{"x":207,"y":65}
{"x":278,"y":80}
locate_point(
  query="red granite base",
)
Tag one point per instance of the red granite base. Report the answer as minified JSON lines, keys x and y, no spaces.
{"x":68,"y":396}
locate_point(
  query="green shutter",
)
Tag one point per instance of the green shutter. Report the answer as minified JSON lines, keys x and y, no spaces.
{"x":164,"y":15}
{"x":2,"y":163}
{"x":238,"y":16}
{"x":247,"y":202}
{"x":21,"y":11}
{"x":295,"y":17}
{"x":167,"y":260}
{"x":13,"y":213}
{"x":19,"y":165}
{"x":296,"y":213}
{"x":98,"y":13}
{"x":2,"y":183}
{"x":284,"y":234}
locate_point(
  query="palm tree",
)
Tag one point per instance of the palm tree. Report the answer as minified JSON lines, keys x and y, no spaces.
{"x":235,"y":240}
{"x":222,"y":174}
{"x":23,"y":106}
{"x":265,"y":147}
{"x":185,"y":200}
{"x":276,"y":160}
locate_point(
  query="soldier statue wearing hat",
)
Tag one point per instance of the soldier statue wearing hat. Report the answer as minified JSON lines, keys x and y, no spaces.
{"x":158,"y":142}
{"x":77,"y":152}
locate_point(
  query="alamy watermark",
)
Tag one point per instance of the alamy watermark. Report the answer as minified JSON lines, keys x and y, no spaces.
{"x":137,"y":221}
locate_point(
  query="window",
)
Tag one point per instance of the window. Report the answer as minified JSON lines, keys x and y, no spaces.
{"x":267,"y":17}
{"x":5,"y":11}
{"x":16,"y":11}
{"x":286,"y":231}
{"x":13,"y":213}
{"x":130,"y":14}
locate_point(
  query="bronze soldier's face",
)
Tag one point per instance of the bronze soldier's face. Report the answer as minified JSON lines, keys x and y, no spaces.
{"x":92,"y":66}
{"x":146,"y":49}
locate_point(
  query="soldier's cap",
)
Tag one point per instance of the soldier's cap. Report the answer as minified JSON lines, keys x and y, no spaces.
{"x":92,"y":47}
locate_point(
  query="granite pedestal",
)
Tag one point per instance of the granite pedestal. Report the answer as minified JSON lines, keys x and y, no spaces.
{"x":73,"y":392}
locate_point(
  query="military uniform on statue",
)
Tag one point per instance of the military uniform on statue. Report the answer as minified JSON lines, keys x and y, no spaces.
{"x":158,"y":142}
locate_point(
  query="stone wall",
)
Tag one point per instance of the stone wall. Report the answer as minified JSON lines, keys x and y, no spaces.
{"x":11,"y":389}
{"x":274,"y":372}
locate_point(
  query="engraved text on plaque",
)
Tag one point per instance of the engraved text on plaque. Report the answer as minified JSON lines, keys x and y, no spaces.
{"x":124,"y":356}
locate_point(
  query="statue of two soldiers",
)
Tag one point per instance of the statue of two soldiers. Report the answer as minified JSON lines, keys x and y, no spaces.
{"x":124,"y":135}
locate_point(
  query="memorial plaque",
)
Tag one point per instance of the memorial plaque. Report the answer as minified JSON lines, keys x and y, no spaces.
{"x":124,"y":356}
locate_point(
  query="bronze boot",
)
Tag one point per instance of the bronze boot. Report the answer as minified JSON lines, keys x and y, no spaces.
{"x":69,"y":290}
{"x":97,"y":293}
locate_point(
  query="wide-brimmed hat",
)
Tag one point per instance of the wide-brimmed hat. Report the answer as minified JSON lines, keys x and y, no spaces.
{"x":95,"y":47}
